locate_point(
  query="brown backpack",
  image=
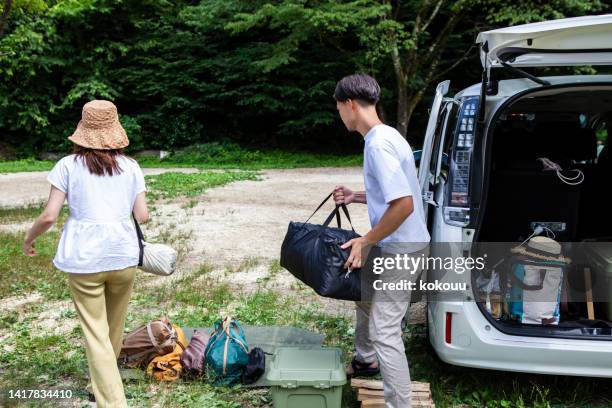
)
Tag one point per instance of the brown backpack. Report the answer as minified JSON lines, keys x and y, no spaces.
{"x":140,"y":346}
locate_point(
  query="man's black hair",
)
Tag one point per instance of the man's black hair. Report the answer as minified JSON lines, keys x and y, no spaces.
{"x":359,"y":87}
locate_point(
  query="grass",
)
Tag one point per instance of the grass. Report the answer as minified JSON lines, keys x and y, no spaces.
{"x":53,"y":357}
{"x":172,"y":185}
{"x":217,"y":155}
{"x":13,"y":166}
{"x":261,"y":160}
{"x":20,"y":275}
{"x":11,"y":215}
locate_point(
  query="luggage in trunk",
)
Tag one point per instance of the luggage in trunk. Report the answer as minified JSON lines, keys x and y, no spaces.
{"x":534,"y":291}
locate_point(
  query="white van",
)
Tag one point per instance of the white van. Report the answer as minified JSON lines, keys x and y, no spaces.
{"x":481,"y":182}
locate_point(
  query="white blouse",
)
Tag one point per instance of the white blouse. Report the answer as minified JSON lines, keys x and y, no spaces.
{"x":99,"y":234}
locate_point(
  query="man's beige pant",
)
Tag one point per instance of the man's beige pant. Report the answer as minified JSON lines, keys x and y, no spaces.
{"x":378,"y":336}
{"x":101,"y":301}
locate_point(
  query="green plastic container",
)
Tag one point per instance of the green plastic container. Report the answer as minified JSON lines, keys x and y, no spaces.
{"x":306,"y":377}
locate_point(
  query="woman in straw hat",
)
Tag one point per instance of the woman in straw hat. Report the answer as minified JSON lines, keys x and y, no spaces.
{"x":98,"y":247}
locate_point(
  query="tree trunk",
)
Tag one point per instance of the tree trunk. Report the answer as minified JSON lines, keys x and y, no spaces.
{"x":402,"y":92}
{"x":402,"y":110}
{"x":6,"y":9}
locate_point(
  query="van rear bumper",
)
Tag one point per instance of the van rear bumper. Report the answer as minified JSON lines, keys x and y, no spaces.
{"x":475,"y":342}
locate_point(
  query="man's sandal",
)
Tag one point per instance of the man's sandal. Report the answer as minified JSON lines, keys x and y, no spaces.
{"x":363,"y":369}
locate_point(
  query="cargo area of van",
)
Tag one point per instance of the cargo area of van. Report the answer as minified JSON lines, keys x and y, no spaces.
{"x":549,"y":174}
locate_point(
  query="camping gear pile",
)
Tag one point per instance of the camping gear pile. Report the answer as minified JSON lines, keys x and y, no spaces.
{"x":312,"y":254}
{"x":161,"y":349}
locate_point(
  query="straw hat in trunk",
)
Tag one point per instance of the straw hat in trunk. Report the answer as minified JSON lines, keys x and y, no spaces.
{"x":99,"y":127}
{"x":542,"y":248}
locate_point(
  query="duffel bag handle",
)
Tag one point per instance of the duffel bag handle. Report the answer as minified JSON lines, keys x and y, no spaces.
{"x":346,"y":213}
{"x":321,"y":205}
{"x":336,"y":212}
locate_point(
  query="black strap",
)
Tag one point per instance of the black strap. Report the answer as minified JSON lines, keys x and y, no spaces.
{"x":346,"y":213}
{"x":140,"y":240}
{"x":321,"y":205}
{"x":335,"y":212}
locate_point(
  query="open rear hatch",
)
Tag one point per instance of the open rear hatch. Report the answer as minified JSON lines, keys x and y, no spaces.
{"x":565,"y":42}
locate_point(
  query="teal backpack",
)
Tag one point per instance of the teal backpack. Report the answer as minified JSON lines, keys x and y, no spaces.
{"x":227,"y":353}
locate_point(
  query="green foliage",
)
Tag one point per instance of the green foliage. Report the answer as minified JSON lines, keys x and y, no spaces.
{"x":14,"y":166}
{"x":301,"y":21}
{"x":260,"y":73}
{"x":230,"y":155}
{"x":213,"y":155}
{"x":528,"y":11}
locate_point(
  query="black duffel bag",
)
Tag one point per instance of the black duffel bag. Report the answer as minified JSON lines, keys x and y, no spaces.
{"x":312,"y":254}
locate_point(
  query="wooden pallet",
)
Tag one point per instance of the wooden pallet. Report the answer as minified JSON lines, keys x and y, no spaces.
{"x":370,"y":394}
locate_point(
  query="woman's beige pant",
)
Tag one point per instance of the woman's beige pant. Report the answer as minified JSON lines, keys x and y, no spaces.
{"x":101,"y":301}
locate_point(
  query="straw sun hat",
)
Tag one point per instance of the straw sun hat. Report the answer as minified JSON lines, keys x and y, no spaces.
{"x":99,"y":127}
{"x":542,"y":248}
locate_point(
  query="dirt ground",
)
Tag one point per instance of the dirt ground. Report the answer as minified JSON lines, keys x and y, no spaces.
{"x":237,"y":227}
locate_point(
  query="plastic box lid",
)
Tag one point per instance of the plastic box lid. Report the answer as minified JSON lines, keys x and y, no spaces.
{"x":318,"y":367}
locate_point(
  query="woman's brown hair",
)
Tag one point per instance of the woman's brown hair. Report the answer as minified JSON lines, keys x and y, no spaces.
{"x":99,"y":162}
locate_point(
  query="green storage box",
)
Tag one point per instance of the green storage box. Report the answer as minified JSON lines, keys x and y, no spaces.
{"x":303,"y":377}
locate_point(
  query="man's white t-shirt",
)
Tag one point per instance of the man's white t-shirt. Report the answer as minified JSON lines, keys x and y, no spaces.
{"x":99,"y":234}
{"x":390,"y":173}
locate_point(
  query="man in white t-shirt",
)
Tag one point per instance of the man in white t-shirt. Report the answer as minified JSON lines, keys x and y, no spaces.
{"x":395,"y":208}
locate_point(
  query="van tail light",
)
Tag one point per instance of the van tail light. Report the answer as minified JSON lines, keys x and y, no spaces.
{"x":449,"y":325}
{"x":456,"y":211}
